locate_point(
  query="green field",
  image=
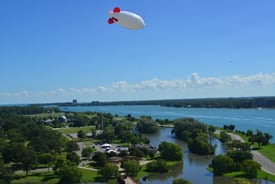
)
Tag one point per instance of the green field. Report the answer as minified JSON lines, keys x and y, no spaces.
{"x":88,"y":175}
{"x":268,"y":151}
{"x":46,"y":115}
{"x":33,"y":178}
{"x":51,"y":178}
{"x":265,"y":175}
{"x":74,"y":130}
{"x":261,"y":175}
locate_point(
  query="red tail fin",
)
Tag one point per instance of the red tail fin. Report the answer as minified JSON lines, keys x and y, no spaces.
{"x":110,"y":21}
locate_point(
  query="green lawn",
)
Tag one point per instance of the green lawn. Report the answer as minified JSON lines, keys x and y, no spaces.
{"x":74,"y":130}
{"x":265,"y":175}
{"x":33,"y":178}
{"x":46,"y":115}
{"x":260,"y":175}
{"x":268,"y":151}
{"x":88,"y":175}
{"x":142,"y":172}
{"x":51,"y":178}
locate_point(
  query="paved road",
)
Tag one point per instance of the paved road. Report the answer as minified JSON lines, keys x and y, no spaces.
{"x":267,"y":165}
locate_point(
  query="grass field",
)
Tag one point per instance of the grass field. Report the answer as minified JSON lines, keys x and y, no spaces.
{"x":74,"y":130}
{"x":46,"y":115}
{"x":51,"y":178}
{"x":34,"y":178}
{"x":261,"y":175}
{"x":268,"y":151}
{"x":88,"y":175}
{"x":265,"y":175}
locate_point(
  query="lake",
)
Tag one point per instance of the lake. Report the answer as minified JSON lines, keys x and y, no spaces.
{"x":194,"y":167}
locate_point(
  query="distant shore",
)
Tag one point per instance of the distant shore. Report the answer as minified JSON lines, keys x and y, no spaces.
{"x":234,"y":102}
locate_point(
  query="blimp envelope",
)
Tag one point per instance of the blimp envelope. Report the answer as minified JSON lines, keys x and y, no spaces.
{"x":126,"y":19}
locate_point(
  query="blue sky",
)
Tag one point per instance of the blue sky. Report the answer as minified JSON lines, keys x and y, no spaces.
{"x":56,"y":51}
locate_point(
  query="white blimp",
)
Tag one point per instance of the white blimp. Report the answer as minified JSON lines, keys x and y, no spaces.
{"x":126,"y":19}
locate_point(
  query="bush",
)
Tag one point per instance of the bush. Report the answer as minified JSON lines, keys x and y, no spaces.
{"x":108,"y":171}
{"x":70,"y":174}
{"x":250,"y":168}
{"x":131,"y":167}
{"x":222,"y":164}
{"x":157,"y":166}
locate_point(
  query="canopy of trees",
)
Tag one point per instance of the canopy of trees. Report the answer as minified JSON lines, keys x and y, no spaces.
{"x":195,"y":134}
{"x":131,"y":167}
{"x":147,"y":125}
{"x":171,"y":152}
{"x":108,"y":171}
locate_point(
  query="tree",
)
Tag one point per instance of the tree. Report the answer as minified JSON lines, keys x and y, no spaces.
{"x":69,"y":174}
{"x":123,"y":153}
{"x":131,"y":167}
{"x":29,"y":159}
{"x":147,"y":125}
{"x":6,"y":173}
{"x":73,"y":158}
{"x":181,"y":181}
{"x":170,"y":151}
{"x":157,"y":166}
{"x":71,"y":146}
{"x":93,"y":131}
{"x":81,"y":134}
{"x":226,"y":127}
{"x":249,"y":133}
{"x":224,"y":137}
{"x":80,"y":119}
{"x":122,"y":130}
{"x":222,"y":164}
{"x":239,"y":156}
{"x":59,"y":163}
{"x":231,"y":127}
{"x":211,"y":129}
{"x":200,"y":146}
{"x":108,"y":171}
{"x":108,"y":134}
{"x":100,"y":159}
{"x":250,"y":168}
{"x":15,"y":135}
{"x":86,"y":152}
{"x":267,"y":138}
{"x":259,"y":138}
{"x":45,"y":140}
{"x":47,"y":159}
{"x":188,"y":128}
{"x":236,"y":144}
{"x":12,"y":152}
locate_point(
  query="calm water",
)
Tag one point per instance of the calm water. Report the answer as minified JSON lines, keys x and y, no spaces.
{"x":194,"y":168}
{"x":243,"y":119}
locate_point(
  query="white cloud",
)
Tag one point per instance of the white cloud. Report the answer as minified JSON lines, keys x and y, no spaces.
{"x":193,"y":85}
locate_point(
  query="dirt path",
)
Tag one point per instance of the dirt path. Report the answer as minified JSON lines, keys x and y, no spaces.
{"x":130,"y":180}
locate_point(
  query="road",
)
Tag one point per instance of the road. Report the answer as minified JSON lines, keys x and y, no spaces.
{"x":267,"y":165}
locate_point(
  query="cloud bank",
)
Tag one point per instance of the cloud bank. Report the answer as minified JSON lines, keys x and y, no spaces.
{"x":193,"y":86}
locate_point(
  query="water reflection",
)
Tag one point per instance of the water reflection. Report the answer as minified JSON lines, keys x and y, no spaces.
{"x":194,"y":167}
{"x":175,"y":171}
